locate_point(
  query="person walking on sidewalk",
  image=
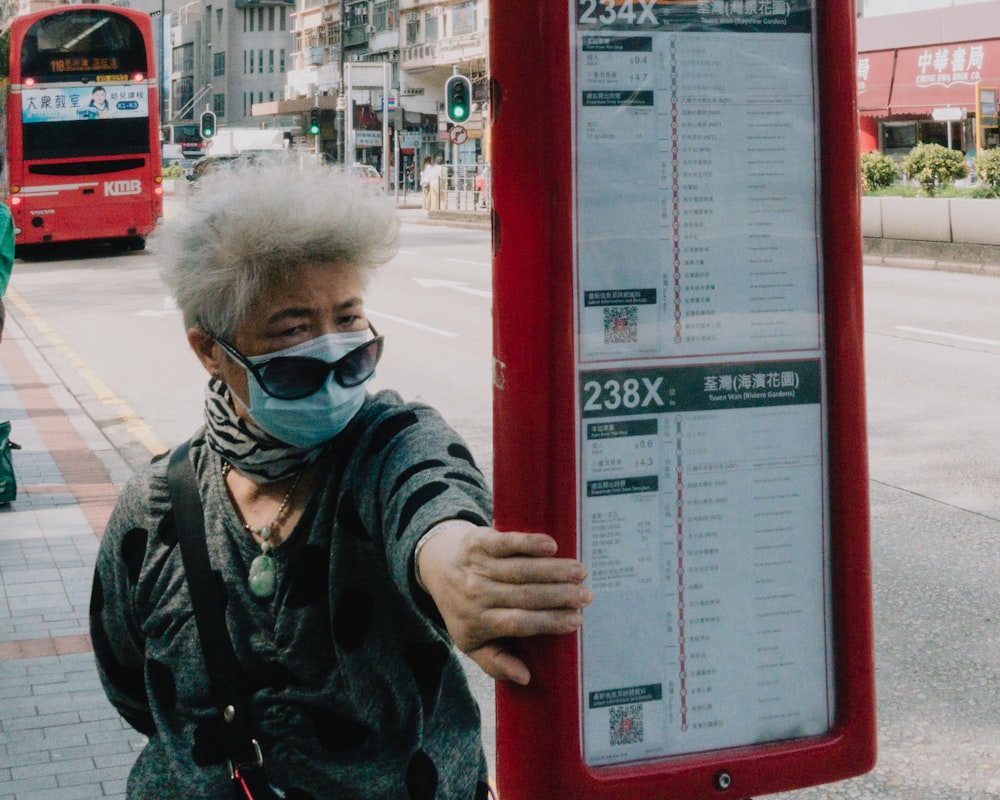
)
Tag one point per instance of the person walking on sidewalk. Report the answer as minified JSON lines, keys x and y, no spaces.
{"x":351,"y":532}
{"x":6,"y":258}
{"x":435,"y":176}
{"x":425,"y":181}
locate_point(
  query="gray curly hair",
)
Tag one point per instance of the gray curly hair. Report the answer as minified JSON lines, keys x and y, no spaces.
{"x":246,"y":230}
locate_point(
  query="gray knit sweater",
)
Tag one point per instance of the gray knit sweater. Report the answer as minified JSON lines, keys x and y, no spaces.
{"x":356,"y":691}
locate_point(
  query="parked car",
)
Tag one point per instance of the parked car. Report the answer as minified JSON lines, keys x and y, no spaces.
{"x":367,"y":174}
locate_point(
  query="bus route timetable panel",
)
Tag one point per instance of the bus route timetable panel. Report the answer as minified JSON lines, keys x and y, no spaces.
{"x":696,"y":190}
{"x":700,"y":366}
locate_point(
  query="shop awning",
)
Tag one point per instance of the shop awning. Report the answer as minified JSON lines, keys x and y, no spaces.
{"x":875,"y":81}
{"x":943,"y":75}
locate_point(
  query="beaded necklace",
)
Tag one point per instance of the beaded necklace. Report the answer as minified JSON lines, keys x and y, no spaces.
{"x":262,"y":577}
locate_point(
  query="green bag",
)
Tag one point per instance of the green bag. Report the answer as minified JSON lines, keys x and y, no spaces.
{"x":8,"y":484}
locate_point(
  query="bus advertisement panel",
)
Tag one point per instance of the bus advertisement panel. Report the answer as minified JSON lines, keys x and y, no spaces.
{"x":80,"y":126}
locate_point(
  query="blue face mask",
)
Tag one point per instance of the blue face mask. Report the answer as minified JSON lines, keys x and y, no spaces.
{"x":317,"y":418}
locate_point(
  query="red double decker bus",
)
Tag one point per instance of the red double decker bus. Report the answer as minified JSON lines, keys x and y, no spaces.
{"x":81,"y":150}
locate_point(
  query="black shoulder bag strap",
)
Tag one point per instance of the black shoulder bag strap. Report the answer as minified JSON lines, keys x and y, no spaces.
{"x":208,"y":601}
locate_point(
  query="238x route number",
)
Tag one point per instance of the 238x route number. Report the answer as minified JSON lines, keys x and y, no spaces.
{"x":614,"y":395}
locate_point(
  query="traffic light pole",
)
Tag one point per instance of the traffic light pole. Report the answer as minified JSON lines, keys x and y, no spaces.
{"x":318,"y":134}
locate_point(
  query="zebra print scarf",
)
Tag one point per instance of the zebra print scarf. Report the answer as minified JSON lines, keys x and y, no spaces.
{"x":254,"y":452}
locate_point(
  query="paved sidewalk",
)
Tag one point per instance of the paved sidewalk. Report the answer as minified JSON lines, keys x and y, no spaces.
{"x":59,"y":736}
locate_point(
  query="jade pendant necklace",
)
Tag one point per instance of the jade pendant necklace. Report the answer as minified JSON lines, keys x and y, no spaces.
{"x":262,"y":577}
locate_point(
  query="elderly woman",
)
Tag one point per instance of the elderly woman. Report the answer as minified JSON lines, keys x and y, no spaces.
{"x":351,"y":531}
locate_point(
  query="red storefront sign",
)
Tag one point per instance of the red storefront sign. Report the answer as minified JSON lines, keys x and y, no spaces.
{"x":875,"y":81}
{"x":943,"y":75}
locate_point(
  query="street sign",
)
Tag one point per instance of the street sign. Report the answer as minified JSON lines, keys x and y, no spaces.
{"x":948,"y":114}
{"x":693,"y":428}
{"x":458,"y":134}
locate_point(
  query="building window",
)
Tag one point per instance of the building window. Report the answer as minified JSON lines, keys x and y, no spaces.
{"x":282,"y":62}
{"x":218,"y":20}
{"x":283,"y":18}
{"x":430,"y":27}
{"x":219,"y":104}
{"x":260,"y":62}
{"x":384,"y":16}
{"x":463,"y":18}
{"x":218,"y":64}
{"x":184,"y":58}
{"x":412,"y":28}
{"x":270,"y":60}
{"x":250,"y":18}
{"x":248,"y":62}
{"x":899,"y":136}
{"x":180,"y":94}
{"x":357,"y":15}
{"x":270,"y":97}
{"x":260,"y":19}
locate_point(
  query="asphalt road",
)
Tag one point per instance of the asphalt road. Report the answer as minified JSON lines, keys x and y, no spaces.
{"x":933,"y":365}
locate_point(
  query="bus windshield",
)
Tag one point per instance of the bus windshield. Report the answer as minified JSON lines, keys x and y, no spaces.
{"x":80,"y":96}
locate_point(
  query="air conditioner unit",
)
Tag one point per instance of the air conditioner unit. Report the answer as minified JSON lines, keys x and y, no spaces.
{"x":327,"y":14}
{"x":370,"y":29}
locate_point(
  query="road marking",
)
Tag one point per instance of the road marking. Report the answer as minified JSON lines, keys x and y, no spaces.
{"x":457,"y":286}
{"x":169,"y":309}
{"x":409,"y":322}
{"x":467,"y":261}
{"x":135,"y":424}
{"x":972,"y":339}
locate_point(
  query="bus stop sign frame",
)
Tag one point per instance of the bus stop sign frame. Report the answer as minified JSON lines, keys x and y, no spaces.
{"x":679,"y":392}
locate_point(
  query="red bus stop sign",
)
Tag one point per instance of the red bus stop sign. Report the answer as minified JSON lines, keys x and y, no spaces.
{"x":679,"y":334}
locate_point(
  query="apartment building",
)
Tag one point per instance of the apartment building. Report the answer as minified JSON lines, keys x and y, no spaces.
{"x":228,"y":56}
{"x":419,"y":43}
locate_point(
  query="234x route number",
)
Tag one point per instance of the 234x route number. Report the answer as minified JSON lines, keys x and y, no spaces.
{"x":605,"y":12}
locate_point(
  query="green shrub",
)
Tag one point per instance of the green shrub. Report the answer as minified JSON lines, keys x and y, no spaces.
{"x":878,"y":171}
{"x":988,"y":168}
{"x":173,"y":172}
{"x":934,"y":166}
{"x":982,"y":192}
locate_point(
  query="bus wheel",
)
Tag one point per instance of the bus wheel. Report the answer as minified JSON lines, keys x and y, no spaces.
{"x":27,"y":252}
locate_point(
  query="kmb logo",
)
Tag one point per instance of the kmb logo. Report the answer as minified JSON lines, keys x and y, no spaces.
{"x":119,"y":188}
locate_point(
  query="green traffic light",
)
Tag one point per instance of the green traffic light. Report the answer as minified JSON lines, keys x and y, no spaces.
{"x":458,"y":112}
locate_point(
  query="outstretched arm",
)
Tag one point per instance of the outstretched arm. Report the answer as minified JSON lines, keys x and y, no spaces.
{"x":490,"y":586}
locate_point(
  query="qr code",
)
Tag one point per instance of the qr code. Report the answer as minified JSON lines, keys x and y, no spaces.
{"x":621,"y":324}
{"x":625,"y":724}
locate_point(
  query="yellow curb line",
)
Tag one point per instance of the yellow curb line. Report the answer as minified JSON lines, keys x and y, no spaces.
{"x":135,"y":424}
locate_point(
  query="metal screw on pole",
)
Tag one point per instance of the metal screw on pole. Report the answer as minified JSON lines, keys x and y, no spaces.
{"x":723,"y":780}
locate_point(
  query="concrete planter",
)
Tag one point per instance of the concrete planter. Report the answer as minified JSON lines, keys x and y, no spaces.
{"x":871,"y":217}
{"x":975,"y":221}
{"x":926,"y":219}
{"x":931,"y":219}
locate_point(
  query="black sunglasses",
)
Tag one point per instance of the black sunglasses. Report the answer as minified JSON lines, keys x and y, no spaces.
{"x":295,"y":377}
